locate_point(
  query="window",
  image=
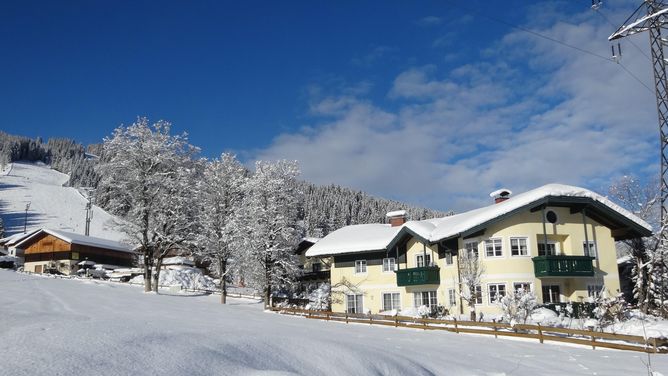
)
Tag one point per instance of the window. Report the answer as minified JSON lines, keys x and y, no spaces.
{"x":478,"y":294}
{"x":551,"y":294}
{"x":452,"y":298}
{"x":551,"y":216}
{"x":316,"y":267}
{"x":354,"y":303}
{"x":75,"y":255}
{"x":493,"y":248}
{"x":496,"y":292}
{"x":593,"y":291}
{"x":590,"y":249}
{"x":521,"y":286}
{"x":419,"y":260}
{"x":427,"y":298}
{"x":471,"y":248}
{"x":391,"y":301}
{"x":448,"y":258}
{"x":519,"y":246}
{"x":360,"y":266}
{"x":549,"y":249}
{"x":389,"y":264}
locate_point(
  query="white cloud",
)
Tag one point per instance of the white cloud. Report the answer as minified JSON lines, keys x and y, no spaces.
{"x":429,"y":21}
{"x":528,"y":113}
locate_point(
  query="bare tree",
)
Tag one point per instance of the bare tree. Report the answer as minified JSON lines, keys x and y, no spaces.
{"x":471,"y":271}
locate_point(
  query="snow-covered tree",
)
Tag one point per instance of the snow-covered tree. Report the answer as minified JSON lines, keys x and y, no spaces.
{"x":471,"y":271}
{"x":142,"y":182}
{"x":647,"y":255}
{"x":220,"y":198}
{"x":269,"y":226}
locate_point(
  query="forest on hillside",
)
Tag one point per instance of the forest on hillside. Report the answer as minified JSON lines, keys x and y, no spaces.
{"x":322,"y":209}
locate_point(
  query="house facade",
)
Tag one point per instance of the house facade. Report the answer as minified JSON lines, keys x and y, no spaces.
{"x":557,"y":241}
{"x":47,"y":250}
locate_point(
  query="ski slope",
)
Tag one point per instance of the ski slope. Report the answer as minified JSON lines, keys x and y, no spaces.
{"x":82,"y":327}
{"x":51,"y":205}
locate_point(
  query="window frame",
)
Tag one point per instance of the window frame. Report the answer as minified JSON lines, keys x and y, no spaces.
{"x":494,"y":242}
{"x":476,"y":250}
{"x":491,"y":299}
{"x":557,"y":251}
{"x":594,"y":290}
{"x":527,"y":248}
{"x":528,"y":284}
{"x":392,"y":263}
{"x":587,"y":248}
{"x":551,"y":285}
{"x":392,"y":301}
{"x":362,"y":263}
{"x":432,"y":305}
{"x":419,"y":255}
{"x":452,"y":297}
{"x":356,"y":309}
{"x":478,"y":295}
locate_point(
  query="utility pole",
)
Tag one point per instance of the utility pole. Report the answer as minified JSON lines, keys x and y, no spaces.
{"x":652,"y":16}
{"x":89,"y":215}
{"x":25,"y":219}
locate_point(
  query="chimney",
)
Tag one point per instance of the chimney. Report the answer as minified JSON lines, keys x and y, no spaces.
{"x":397,"y":217}
{"x":501,"y":195}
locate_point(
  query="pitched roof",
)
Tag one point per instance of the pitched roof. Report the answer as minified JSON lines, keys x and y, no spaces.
{"x":372,"y":237}
{"x":73,"y":238}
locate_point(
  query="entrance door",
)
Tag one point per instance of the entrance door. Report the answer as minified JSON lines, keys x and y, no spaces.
{"x":551,"y":294}
{"x":38,"y":268}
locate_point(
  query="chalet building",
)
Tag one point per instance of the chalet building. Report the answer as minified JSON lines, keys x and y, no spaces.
{"x":48,"y":250}
{"x":315,"y":269}
{"x":556,"y":240}
{"x":9,"y":243}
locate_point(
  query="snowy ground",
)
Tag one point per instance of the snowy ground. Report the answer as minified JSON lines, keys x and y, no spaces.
{"x":61,"y":327}
{"x":51,"y":205}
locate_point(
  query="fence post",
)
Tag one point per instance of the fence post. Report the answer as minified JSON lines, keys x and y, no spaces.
{"x":370,"y":319}
{"x":494,"y":323}
{"x":456,"y":329}
{"x":593,"y":339}
{"x":540,"y":334}
{"x":327,"y":315}
{"x":396,"y":324}
{"x":346,"y":317}
{"x":654,"y":343}
{"x":424,"y":324}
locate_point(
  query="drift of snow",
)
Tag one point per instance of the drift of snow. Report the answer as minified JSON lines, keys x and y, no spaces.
{"x":186,"y":278}
{"x":102,"y":328}
{"x":51,"y":205}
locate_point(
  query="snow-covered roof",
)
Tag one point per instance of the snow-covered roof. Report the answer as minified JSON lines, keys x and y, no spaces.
{"x":355,"y":238}
{"x":498,"y":192}
{"x":311,"y":239}
{"x":371,"y":237}
{"x":81,"y":240}
{"x":16,"y":238}
{"x":396,"y":213}
{"x":177,"y":260}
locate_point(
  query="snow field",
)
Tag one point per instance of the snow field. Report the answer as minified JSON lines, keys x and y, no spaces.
{"x":62,"y":327}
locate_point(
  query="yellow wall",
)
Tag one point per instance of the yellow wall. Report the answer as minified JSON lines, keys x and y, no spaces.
{"x":567,"y":232}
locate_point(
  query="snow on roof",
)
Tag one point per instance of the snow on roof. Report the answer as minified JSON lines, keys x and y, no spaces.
{"x":16,"y":238}
{"x":355,"y":238}
{"x":498,"y":192}
{"x":311,"y":239}
{"x":396,"y":213}
{"x":377,"y":237}
{"x":177,"y":260}
{"x":81,"y":240}
{"x":624,"y":259}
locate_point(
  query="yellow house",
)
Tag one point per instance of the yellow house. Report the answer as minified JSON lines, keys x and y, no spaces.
{"x":556,"y":240}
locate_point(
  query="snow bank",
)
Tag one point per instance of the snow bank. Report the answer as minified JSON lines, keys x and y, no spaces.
{"x":187,"y":278}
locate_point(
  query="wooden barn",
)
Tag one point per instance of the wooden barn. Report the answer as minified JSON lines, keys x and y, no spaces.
{"x":55,"y":251}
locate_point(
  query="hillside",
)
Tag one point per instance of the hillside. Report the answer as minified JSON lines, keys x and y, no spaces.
{"x":51,"y":204}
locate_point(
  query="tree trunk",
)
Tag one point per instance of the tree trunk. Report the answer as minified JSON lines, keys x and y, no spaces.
{"x":223,"y":284}
{"x":156,"y":275}
{"x":472,"y":309}
{"x":147,"y":271}
{"x":267,"y":275}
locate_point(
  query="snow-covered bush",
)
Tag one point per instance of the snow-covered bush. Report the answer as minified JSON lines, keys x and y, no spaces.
{"x":609,"y":309}
{"x":424,"y":311}
{"x":518,"y":306}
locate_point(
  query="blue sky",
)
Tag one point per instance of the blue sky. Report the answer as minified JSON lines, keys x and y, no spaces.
{"x":435,"y":103}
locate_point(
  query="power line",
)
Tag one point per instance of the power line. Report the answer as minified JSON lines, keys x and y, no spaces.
{"x":548,"y":38}
{"x":598,"y":11}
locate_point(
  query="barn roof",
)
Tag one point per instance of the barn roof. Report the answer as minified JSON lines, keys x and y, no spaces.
{"x":79,"y":239}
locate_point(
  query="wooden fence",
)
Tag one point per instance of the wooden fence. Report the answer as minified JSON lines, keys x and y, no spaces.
{"x":541,"y":333}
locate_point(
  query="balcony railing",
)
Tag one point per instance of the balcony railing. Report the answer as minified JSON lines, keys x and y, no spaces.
{"x":418,"y":276}
{"x":563,"y":266}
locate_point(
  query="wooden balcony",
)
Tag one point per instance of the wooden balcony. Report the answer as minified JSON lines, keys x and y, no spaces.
{"x":418,"y":276}
{"x":563,"y":266}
